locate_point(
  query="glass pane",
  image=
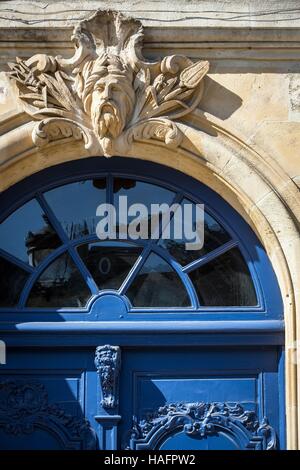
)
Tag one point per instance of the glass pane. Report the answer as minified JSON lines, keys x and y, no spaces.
{"x":138,"y":192}
{"x":60,"y":285}
{"x":225,"y":281}
{"x":28,"y":235}
{"x":12,"y":282}
{"x":109,"y":262}
{"x":75,"y":205}
{"x":214,"y":236}
{"x":157,"y":285}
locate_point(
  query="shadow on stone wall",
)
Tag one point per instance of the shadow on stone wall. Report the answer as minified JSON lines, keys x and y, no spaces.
{"x":219,"y":101}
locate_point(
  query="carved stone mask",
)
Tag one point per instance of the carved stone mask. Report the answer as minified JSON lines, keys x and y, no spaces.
{"x":112,"y":104}
{"x":108,"y":96}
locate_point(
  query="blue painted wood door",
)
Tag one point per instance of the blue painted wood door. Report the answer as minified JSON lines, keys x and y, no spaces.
{"x":136,"y":344}
{"x":43,"y":400}
{"x":205,"y":399}
{"x":169,"y":398}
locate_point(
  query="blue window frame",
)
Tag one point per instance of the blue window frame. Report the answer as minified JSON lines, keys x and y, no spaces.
{"x":55,"y":267}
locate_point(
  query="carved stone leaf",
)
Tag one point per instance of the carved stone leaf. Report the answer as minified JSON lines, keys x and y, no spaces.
{"x":161,"y":129}
{"x":167,"y":94}
{"x":191,"y":76}
{"x":53,"y":129}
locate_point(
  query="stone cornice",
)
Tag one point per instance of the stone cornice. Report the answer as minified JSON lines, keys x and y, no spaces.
{"x":60,"y":33}
{"x":213,"y":44}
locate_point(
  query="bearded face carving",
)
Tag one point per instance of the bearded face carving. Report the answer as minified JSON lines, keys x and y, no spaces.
{"x":108,"y":94}
{"x":112,"y":103}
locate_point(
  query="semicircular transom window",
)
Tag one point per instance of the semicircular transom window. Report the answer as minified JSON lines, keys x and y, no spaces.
{"x":54,"y":254}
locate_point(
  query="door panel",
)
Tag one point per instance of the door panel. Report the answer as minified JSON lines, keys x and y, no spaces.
{"x":199,"y":399}
{"x":169,"y":398}
{"x":42,"y":404}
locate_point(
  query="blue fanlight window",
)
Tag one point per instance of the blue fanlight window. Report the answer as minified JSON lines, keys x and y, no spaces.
{"x":52,"y":261}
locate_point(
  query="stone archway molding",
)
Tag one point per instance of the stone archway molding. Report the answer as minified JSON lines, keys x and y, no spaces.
{"x":158,"y":121}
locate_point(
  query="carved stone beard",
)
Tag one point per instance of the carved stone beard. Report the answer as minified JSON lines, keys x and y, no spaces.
{"x":109,"y":120}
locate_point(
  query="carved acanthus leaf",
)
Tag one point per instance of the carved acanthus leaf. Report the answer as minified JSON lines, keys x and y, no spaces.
{"x":52,"y":129}
{"x":107,"y":89}
{"x":162,"y":129}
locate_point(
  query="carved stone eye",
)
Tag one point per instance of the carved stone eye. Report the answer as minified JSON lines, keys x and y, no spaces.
{"x":115,"y":87}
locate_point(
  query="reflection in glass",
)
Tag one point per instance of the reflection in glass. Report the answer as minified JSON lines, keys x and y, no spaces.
{"x":28,"y":235}
{"x":224,"y":281}
{"x":214,"y":237}
{"x":141,"y":193}
{"x":60,"y":285}
{"x":157,"y":285}
{"x":109,"y":262}
{"x":75,"y":206}
{"x":12,"y":282}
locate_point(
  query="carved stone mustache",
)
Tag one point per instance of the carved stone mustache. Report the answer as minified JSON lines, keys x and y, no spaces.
{"x":110,"y":105}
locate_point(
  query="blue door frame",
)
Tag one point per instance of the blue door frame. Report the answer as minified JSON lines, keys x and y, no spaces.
{"x":205,"y":361}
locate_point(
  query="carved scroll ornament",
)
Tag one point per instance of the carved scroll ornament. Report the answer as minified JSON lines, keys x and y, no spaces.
{"x":107,"y":94}
{"x":25,"y":408}
{"x":202,"y":420}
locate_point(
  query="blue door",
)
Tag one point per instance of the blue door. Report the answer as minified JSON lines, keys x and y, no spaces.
{"x":204,"y":398}
{"x":135,"y":342}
